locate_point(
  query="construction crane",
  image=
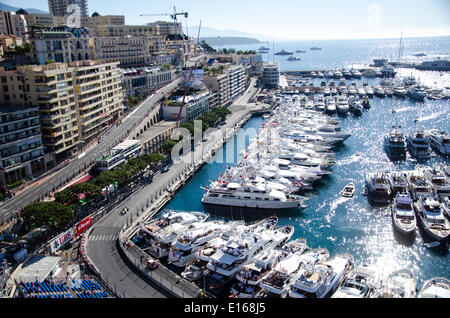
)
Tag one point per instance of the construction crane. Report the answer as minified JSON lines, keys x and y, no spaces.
{"x":173,"y":15}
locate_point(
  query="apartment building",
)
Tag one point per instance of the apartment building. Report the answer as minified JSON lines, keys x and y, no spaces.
{"x":45,"y":20}
{"x":21,"y":149}
{"x":13,"y":24}
{"x":76,"y":101}
{"x":104,"y":20}
{"x":227,"y":81}
{"x":99,"y":97}
{"x":124,"y":30}
{"x":130,"y":51}
{"x":60,"y":44}
{"x":166,"y":28}
{"x":59,"y":7}
{"x":145,"y":81}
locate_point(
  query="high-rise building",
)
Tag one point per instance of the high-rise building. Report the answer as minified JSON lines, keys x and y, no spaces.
{"x":60,"y":44}
{"x":271,"y":75}
{"x":13,"y":24}
{"x":76,"y":101}
{"x":21,"y":149}
{"x":59,"y":7}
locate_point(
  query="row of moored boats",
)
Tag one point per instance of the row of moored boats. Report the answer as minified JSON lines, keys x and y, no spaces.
{"x":259,"y":260}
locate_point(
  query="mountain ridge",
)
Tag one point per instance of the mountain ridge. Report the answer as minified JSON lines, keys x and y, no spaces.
{"x":6,"y":7}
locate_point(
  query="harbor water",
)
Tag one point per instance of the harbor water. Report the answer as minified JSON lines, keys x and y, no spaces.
{"x":352,"y":225}
{"x":349,"y":225}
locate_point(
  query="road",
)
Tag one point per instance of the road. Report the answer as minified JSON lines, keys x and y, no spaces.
{"x":100,"y":245}
{"x":42,"y":189}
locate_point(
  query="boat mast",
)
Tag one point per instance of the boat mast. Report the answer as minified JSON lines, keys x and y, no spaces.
{"x":400,"y":49}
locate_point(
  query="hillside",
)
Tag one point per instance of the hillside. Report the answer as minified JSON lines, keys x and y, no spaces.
{"x":224,"y":41}
{"x":5,"y":7}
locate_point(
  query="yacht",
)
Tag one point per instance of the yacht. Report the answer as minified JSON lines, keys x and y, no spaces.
{"x":356,"y":74}
{"x":326,"y":91}
{"x":330,"y":107}
{"x":237,"y":253}
{"x":439,"y":182}
{"x":399,"y":284}
{"x":379,"y":91}
{"x":403,"y":216}
{"x":417,"y":93}
{"x":438,"y":287}
{"x":283,"y":52}
{"x":389,"y":91}
{"x":379,"y":190}
{"x":398,"y":182}
{"x":249,"y":278}
{"x":362,"y":282}
{"x":329,"y":74}
{"x":249,"y":195}
{"x":321,"y":279}
{"x":439,"y":140}
{"x":432,"y":219}
{"x":388,"y":71}
{"x":445,"y":206}
{"x":418,"y":145}
{"x":342,"y":106}
{"x":418,"y":185}
{"x":320,"y":74}
{"x":355,"y":105}
{"x":395,"y":143}
{"x":361,"y":91}
{"x":195,"y":236}
{"x":163,"y":239}
{"x":279,"y":280}
{"x":369,"y":91}
{"x":409,"y":80}
{"x":399,"y":91}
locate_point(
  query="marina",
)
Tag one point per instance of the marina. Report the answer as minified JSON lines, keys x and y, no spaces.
{"x":325,"y":217}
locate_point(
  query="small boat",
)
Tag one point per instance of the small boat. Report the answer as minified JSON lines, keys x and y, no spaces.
{"x":403,"y":216}
{"x":314,"y":48}
{"x":300,"y":51}
{"x":283,"y":52}
{"x":349,"y":190}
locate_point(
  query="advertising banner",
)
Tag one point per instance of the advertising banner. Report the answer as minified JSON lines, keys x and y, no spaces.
{"x":61,"y":240}
{"x":82,"y":226}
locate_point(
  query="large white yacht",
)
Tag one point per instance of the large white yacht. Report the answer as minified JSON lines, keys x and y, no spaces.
{"x":439,"y":140}
{"x":321,"y":279}
{"x":251,"y":275}
{"x":231,"y":258}
{"x":418,"y":184}
{"x":398,"y":182}
{"x":418,"y":145}
{"x":194,"y":237}
{"x":248,"y":195}
{"x":399,"y":90}
{"x":403,"y":216}
{"x":280,"y":279}
{"x":399,"y":284}
{"x":433,"y":221}
{"x":395,"y":143}
{"x":379,"y":190}
{"x":362,"y":282}
{"x":439,"y":182}
{"x":438,"y":287}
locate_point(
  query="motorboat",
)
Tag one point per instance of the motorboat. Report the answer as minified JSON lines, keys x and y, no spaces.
{"x":445,"y":206}
{"x":330,"y":107}
{"x":342,"y":106}
{"x":398,"y":182}
{"x":194,"y":270}
{"x":417,"y":93}
{"x":355,"y":105}
{"x":388,"y":71}
{"x":439,"y":140}
{"x":356,"y":73}
{"x":399,"y":90}
{"x":418,"y":145}
{"x":432,"y":219}
{"x":389,"y":91}
{"x":349,"y":190}
{"x":283,"y":52}
{"x":439,"y":182}
{"x":192,"y":238}
{"x":379,"y":91}
{"x":403,"y":216}
{"x":369,"y":91}
{"x":361,"y":91}
{"x":395,"y":143}
{"x":323,"y":278}
{"x":418,"y":184}
{"x":280,"y":279}
{"x":438,"y":287}
{"x":362,"y":282}
{"x":399,"y":284}
{"x":379,"y":190}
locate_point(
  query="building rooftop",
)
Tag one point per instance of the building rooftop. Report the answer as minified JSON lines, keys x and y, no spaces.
{"x":155,"y":130}
{"x":39,"y":267}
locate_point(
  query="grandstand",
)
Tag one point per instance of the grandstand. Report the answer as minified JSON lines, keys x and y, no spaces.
{"x":75,"y":288}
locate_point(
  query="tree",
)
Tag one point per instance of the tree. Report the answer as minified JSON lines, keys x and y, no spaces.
{"x":21,"y":11}
{"x":168,"y":145}
{"x":49,"y":62}
{"x":53,"y":215}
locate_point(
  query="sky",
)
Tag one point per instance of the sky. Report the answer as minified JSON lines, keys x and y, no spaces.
{"x":287,"y":19}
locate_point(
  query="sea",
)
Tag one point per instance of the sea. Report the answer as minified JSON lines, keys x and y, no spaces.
{"x":352,"y":225}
